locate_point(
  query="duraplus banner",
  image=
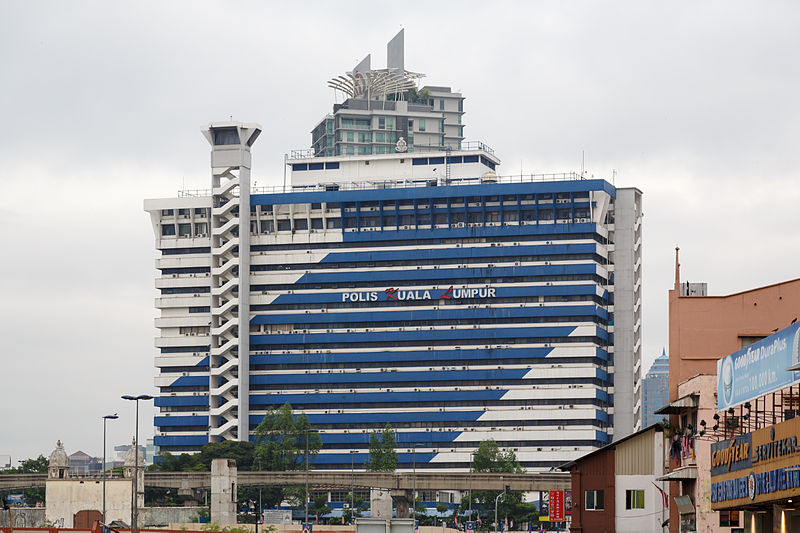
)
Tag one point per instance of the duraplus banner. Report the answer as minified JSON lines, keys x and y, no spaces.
{"x":758,"y":369}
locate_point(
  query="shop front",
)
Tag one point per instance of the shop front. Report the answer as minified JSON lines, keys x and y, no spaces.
{"x":755,"y":478}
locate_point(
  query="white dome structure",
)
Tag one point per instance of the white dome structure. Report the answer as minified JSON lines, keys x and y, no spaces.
{"x":59,"y":463}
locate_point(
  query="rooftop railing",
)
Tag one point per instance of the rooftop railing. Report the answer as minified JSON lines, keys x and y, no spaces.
{"x":399,"y":184}
{"x":308,"y":153}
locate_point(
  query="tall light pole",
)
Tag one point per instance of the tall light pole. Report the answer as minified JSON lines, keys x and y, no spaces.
{"x":496,"y":524}
{"x":414,"y":495}
{"x":471,"y":458}
{"x":135,"y":504}
{"x":352,"y":482}
{"x":308,"y":431}
{"x":106,"y":418}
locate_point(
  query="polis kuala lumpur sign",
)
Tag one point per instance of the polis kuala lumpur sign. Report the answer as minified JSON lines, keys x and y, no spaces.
{"x":397,"y":295}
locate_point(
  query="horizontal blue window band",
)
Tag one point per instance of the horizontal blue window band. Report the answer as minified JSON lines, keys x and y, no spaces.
{"x":389,"y":377}
{"x":180,"y":440}
{"x":467,"y":232}
{"x":398,"y":276}
{"x":171,"y":401}
{"x":181,"y":421}
{"x":390,"y":315}
{"x":464,"y":252}
{"x":377,"y":397}
{"x":490,"y":334}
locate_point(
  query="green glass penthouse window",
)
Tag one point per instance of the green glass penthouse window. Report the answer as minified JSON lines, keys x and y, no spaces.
{"x":349,"y":136}
{"x":381,"y":123}
{"x":330,"y":143}
{"x":347,"y":122}
{"x":362,"y":124}
{"x":441,"y":126}
{"x":441,"y":104}
{"x":461,"y":105}
{"x":389,"y":123}
{"x":365,"y":137}
{"x":350,"y":150}
{"x":329,"y":126}
{"x":421,"y":124}
{"x":380,"y":137}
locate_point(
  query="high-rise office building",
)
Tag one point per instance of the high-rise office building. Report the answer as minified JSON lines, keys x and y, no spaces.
{"x":418,"y":289}
{"x":655,"y":390}
{"x":381,"y":106}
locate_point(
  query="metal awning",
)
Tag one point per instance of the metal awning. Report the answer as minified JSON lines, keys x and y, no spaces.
{"x":686,"y":472}
{"x":678,"y":405}
{"x":685,"y":505}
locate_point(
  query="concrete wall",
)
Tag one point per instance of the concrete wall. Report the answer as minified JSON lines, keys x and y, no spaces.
{"x":67,"y":497}
{"x":647,"y":520}
{"x":24,"y":517}
{"x":163,"y":516}
{"x":703,"y":329}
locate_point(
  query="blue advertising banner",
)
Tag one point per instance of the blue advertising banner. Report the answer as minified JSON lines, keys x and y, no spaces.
{"x":758,"y":369}
{"x":732,"y":454}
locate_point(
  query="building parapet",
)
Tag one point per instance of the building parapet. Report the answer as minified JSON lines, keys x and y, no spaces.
{"x":398,"y":184}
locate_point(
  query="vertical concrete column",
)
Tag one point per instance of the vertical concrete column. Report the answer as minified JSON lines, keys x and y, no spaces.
{"x":223,"y":491}
{"x":401,"y":500}
{"x":380,"y":503}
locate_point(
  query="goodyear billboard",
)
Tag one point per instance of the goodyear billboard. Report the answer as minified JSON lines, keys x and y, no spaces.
{"x":759,"y":368}
{"x":756,"y":467}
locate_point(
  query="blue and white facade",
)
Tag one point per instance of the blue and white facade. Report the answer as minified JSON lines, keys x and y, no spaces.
{"x":417,"y":289}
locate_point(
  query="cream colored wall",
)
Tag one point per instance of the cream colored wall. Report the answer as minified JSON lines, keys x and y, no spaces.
{"x":66,"y":497}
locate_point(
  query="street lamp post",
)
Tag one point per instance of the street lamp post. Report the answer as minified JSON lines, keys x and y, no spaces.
{"x":495,"y":510}
{"x":352,"y":483}
{"x":106,"y":418}
{"x":471,"y":458}
{"x":305,"y":516}
{"x":414,"y":460}
{"x":135,"y":503}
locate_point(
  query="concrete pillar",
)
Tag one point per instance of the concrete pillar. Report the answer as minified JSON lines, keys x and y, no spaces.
{"x":380,"y":503}
{"x":402,"y":498}
{"x":223,"y":491}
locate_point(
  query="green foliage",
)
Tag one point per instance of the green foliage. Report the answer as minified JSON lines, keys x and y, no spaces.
{"x":281,"y":440}
{"x":215,"y":526}
{"x":242,"y":452}
{"x":382,"y":453}
{"x":319,"y":506}
{"x":416,"y":96}
{"x":489,"y":458}
{"x":30,"y":466}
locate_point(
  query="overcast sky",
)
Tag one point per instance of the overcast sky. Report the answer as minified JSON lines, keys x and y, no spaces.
{"x":695,"y":103}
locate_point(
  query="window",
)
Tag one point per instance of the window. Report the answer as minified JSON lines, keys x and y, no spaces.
{"x":365,"y":137}
{"x":350,"y":136}
{"x":201,"y":228}
{"x":167,"y":229}
{"x":350,"y":150}
{"x":301,"y":223}
{"x":729,"y":518}
{"x":634,"y":499}
{"x":267,"y":226}
{"x":316,"y":223}
{"x":461,"y":105}
{"x":381,"y":123}
{"x":593,"y":500}
{"x":422,"y":124}
{"x":166,"y":212}
{"x":284,"y":225}
{"x":441,"y":126}
{"x":225,"y":136}
{"x":441,"y":104}
{"x":333,"y":223}
{"x":380,"y":137}
{"x":347,"y":122}
{"x":389,"y":123}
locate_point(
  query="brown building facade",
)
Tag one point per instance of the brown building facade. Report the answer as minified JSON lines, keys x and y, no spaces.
{"x":703,"y":329}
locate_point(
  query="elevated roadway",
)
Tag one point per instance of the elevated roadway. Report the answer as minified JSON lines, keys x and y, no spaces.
{"x":335,"y":478}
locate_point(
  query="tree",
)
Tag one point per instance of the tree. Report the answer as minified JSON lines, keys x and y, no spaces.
{"x":29,"y":466}
{"x":242,"y":452}
{"x":319,"y":506}
{"x":382,"y":453}
{"x":281,"y":440}
{"x":489,"y":458}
